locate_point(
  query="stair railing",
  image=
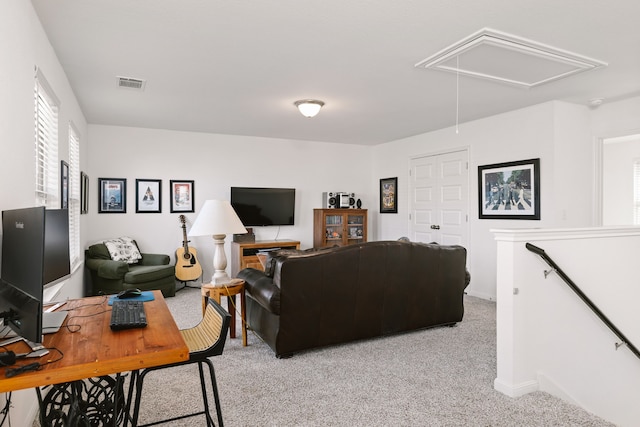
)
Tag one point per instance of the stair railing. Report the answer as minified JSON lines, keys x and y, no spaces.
{"x":555,"y":269}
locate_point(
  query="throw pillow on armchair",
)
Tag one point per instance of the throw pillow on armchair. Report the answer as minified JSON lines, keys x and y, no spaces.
{"x":123,"y":266}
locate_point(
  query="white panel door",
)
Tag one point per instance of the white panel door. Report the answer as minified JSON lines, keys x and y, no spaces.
{"x":439,"y":198}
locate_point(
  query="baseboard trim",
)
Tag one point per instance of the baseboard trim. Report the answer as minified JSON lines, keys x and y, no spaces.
{"x":482,"y":295}
{"x":550,"y":386}
{"x":515,"y":390}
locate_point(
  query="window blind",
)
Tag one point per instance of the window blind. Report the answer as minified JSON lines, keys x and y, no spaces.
{"x":74,"y":196}
{"x":46,"y":145}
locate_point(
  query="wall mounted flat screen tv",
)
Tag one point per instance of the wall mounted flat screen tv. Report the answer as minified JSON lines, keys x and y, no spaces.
{"x":258,"y":207}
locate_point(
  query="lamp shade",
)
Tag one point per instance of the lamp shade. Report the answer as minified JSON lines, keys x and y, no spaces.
{"x":217,"y":217}
{"x":309,"y":107}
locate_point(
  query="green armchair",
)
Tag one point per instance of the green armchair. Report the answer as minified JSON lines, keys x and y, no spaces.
{"x":106,"y":276}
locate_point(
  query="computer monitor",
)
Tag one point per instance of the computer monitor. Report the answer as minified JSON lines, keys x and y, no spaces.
{"x":35,"y":252}
{"x":22,"y":313}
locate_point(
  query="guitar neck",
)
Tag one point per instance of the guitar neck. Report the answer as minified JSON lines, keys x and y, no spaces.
{"x":185,"y":242}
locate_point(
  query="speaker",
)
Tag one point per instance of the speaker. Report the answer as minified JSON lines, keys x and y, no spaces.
{"x":330,"y":200}
{"x":352,"y":201}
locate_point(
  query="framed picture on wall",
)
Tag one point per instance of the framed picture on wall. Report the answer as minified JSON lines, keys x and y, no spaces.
{"x":148,"y":196}
{"x":181,"y":196}
{"x":509,"y":190}
{"x":389,"y":195}
{"x":84,"y":193}
{"x":113,"y":195}
{"x":64,"y":185}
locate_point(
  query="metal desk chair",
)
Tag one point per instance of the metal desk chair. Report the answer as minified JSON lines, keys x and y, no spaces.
{"x":204,"y":340}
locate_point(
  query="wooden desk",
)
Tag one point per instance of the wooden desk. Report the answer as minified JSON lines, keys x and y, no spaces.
{"x":95,"y":350}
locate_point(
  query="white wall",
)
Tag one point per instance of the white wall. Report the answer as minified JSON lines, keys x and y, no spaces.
{"x":23,"y":46}
{"x":617,"y":118}
{"x":555,"y":132}
{"x":549,"y":340}
{"x":617,"y":183}
{"x":216,"y":163}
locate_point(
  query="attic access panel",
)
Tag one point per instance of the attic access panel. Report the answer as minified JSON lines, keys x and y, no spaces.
{"x":502,"y":57}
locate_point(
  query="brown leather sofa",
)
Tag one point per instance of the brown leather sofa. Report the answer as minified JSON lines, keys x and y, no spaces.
{"x":316,"y":298}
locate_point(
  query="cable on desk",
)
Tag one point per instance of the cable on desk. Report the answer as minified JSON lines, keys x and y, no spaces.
{"x":12,"y":372}
{"x":34,"y":366}
{"x":104,"y":298}
{"x":79,"y":327}
{"x":73,"y":331}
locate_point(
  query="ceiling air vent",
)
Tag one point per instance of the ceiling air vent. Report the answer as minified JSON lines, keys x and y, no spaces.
{"x":130,"y":83}
{"x":505,"y":58}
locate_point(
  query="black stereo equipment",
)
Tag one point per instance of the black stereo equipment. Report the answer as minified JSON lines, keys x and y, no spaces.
{"x":338,"y":200}
{"x":329,"y":200}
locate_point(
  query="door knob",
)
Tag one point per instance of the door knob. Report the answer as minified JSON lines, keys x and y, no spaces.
{"x":435,"y":227}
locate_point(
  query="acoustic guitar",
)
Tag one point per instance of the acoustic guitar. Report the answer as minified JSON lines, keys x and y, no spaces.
{"x":187,"y":266}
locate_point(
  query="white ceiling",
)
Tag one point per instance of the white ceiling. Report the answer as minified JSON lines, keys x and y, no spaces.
{"x":236,"y":67}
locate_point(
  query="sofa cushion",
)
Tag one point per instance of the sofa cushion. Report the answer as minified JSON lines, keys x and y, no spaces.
{"x":148,"y":273}
{"x":98,"y":251}
{"x":270,"y":264}
{"x":272,"y":256}
{"x":123,"y":249}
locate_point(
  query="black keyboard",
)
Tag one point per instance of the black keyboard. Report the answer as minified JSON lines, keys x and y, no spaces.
{"x":127,"y":315}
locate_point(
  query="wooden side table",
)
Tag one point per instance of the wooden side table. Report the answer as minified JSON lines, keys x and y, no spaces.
{"x":229,"y":290}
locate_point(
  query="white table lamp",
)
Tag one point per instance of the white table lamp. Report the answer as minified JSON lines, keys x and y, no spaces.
{"x":217,"y":218}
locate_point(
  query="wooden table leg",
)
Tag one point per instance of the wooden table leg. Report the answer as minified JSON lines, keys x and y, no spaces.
{"x":231,"y":308}
{"x":217,"y":293}
{"x":205,"y":297}
{"x":243,"y":319}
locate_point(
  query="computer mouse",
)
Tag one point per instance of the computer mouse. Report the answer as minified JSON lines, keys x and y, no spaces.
{"x":129,"y":293}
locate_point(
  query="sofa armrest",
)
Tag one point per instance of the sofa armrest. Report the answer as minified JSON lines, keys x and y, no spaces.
{"x":106,"y":268}
{"x":154,"y":259}
{"x":261,"y":288}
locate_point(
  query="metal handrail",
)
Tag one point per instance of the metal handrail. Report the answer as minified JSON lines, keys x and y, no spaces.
{"x":624,"y":341}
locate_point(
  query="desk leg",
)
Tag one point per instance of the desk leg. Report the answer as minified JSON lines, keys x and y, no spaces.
{"x":127,"y":415}
{"x":94,"y":401}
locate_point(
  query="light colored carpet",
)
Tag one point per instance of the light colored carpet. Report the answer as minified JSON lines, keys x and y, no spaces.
{"x":435,"y":377}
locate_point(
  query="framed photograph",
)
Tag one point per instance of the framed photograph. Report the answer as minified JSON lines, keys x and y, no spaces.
{"x":148,"y":196}
{"x":181,"y":196}
{"x":84,"y":193}
{"x":64,"y":184}
{"x":509,"y":190}
{"x":389,"y":195}
{"x":113,"y":195}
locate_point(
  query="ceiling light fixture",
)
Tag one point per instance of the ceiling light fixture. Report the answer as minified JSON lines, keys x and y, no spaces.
{"x":596,"y":102}
{"x":309,"y":107}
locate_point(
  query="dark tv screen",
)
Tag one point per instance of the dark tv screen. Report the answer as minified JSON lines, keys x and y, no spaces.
{"x":264,"y":206}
